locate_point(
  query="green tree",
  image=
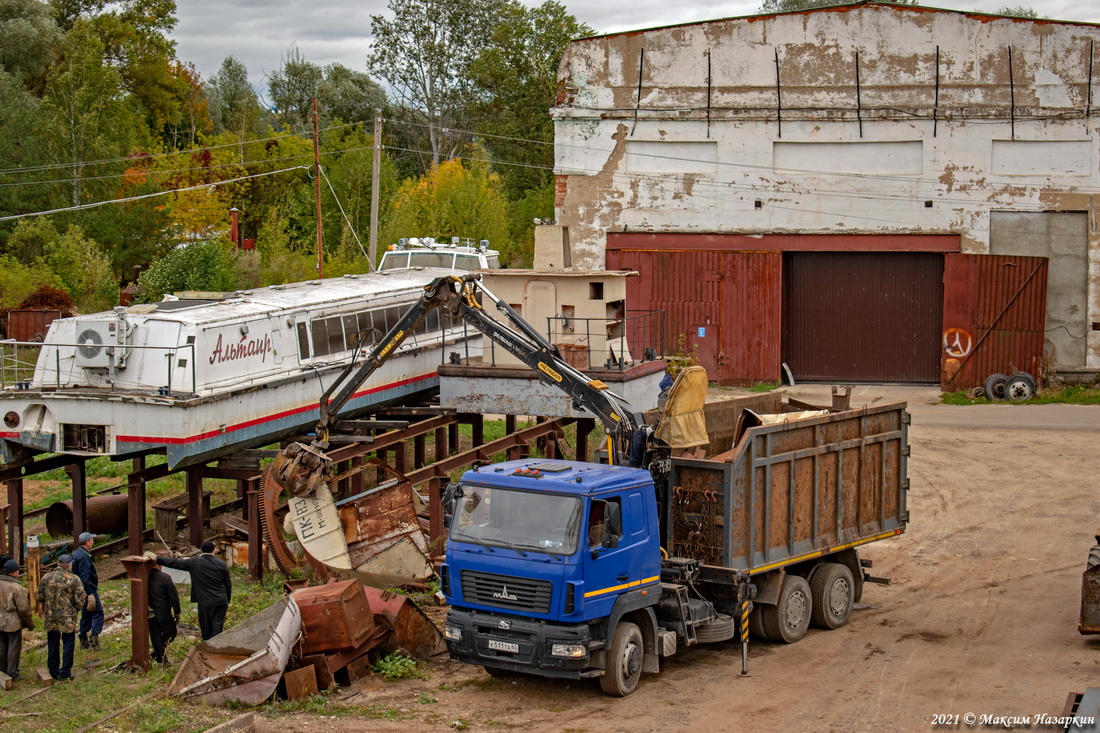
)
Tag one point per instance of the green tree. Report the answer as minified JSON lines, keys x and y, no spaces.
{"x":348,"y":96}
{"x":203,"y":266}
{"x":28,"y":36}
{"x":1019,"y":11}
{"x":85,"y":114}
{"x":516,"y":76}
{"x":424,"y":52}
{"x":84,"y":271}
{"x":234,"y":105}
{"x":293,"y":88}
{"x":31,"y":238}
{"x":18,"y":280}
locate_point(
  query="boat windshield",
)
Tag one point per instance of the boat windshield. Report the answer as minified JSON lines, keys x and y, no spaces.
{"x":528,"y":520}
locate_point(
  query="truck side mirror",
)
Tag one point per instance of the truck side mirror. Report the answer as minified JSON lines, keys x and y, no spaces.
{"x":451,"y":495}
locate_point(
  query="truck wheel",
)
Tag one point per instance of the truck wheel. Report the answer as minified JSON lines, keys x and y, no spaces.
{"x":1019,"y":388}
{"x":624,"y":661}
{"x":832,"y":591}
{"x":788,"y":619}
{"x":994,"y":387}
{"x":720,"y":629}
{"x":1094,"y":558}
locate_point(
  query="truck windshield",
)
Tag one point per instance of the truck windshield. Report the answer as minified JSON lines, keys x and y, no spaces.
{"x":525,"y":519}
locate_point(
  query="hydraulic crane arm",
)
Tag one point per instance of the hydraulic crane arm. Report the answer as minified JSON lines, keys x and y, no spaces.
{"x":300,"y":468}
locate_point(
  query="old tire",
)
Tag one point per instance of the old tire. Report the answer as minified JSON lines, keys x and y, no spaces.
{"x":1094,"y":558}
{"x":624,"y":661}
{"x":1019,"y":388}
{"x":833,"y":594}
{"x":788,"y":620}
{"x":994,"y":386}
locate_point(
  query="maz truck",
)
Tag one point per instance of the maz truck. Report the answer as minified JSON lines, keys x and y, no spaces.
{"x":576,"y":570}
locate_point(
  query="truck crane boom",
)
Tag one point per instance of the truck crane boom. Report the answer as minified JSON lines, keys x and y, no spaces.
{"x":301,"y":468}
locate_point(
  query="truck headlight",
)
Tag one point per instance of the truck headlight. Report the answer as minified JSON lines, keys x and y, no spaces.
{"x":572,"y":651}
{"x":452,"y":633}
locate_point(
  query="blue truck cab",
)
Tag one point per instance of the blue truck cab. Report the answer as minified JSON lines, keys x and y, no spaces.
{"x":545,"y":560}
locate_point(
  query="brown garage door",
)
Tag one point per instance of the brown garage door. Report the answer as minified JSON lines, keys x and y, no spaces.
{"x":863,"y":316}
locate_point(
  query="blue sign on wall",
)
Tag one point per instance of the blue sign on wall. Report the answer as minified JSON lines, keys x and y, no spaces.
{"x":702,"y":332}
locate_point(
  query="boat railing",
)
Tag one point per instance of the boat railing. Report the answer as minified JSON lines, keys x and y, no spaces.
{"x":27,"y":365}
{"x":608,"y":344}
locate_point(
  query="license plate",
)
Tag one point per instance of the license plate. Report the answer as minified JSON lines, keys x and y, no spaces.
{"x":504,"y":646}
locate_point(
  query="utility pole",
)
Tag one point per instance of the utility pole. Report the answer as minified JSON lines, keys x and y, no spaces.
{"x":317,"y":180}
{"x":372,"y":249}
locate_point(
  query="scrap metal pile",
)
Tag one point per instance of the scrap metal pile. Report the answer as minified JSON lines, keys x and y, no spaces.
{"x":311,"y":639}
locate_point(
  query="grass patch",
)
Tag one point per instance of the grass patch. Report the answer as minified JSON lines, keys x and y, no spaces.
{"x":1075,"y":394}
{"x":766,"y":386}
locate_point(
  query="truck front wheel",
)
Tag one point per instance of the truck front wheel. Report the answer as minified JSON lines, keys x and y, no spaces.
{"x":624,"y":661}
{"x":788,"y":620}
{"x":833,"y":591}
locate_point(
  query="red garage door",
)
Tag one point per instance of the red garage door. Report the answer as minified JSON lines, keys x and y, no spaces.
{"x":723,"y":308}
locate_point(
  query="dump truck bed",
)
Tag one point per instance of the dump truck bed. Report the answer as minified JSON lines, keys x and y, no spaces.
{"x":794,"y":490}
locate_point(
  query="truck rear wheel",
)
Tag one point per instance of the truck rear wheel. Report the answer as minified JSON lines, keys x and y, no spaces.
{"x":833,"y":591}
{"x":624,"y":661}
{"x":788,"y":620}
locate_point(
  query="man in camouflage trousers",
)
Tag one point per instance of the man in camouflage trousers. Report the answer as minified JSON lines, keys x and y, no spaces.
{"x":15,"y":615}
{"x":61,"y":596}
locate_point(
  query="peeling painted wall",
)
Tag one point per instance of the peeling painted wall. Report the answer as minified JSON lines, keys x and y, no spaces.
{"x":858,"y":119}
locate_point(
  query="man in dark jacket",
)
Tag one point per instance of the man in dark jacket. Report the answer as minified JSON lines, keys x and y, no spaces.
{"x":164,"y":610}
{"x":211,"y":586}
{"x":91,"y":616}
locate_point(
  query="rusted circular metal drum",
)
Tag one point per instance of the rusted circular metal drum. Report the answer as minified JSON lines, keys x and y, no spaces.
{"x":106,"y":515}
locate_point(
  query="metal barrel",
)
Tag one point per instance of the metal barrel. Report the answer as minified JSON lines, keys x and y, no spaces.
{"x":106,"y":515}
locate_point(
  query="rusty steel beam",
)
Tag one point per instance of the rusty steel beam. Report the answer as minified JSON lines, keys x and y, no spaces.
{"x":135,"y":520}
{"x":137,"y":567}
{"x":255,"y":532}
{"x":15,"y":518}
{"x":194,"y":505}
{"x":79,"y":476}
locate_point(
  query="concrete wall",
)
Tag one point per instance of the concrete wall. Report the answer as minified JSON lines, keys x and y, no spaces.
{"x":859,"y":119}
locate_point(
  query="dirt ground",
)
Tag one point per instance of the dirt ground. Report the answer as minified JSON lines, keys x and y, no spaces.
{"x":981,"y":616}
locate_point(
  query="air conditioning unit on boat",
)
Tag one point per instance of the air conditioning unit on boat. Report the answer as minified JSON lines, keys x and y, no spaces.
{"x":96,"y":345}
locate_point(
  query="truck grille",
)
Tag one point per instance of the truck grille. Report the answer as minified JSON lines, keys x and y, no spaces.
{"x":506,"y":591}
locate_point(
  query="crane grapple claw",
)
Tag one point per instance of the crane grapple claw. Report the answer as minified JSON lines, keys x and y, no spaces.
{"x":300,"y":469}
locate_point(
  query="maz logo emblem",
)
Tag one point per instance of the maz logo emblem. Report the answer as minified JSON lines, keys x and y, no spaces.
{"x":504,"y":595}
{"x":502,"y":624}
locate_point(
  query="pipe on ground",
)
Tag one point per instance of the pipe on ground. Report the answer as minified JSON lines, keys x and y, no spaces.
{"x":106,"y":515}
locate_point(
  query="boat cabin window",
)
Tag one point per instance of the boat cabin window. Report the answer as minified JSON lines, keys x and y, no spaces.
{"x":335,"y":334}
{"x":394,"y":261}
{"x":303,"y":341}
{"x":431,"y":259}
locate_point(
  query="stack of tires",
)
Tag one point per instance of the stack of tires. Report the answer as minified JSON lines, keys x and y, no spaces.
{"x":1019,"y":387}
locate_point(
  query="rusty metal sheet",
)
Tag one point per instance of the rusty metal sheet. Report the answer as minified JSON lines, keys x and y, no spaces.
{"x":723,"y":307}
{"x":30,"y":325}
{"x":335,"y":616}
{"x":994,"y":317}
{"x":413,"y":630}
{"x":863,"y":316}
{"x":792,"y":491}
{"x":1090,"y":601}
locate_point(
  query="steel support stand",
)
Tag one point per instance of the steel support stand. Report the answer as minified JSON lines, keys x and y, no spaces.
{"x":137,"y":567}
{"x":743,"y":594}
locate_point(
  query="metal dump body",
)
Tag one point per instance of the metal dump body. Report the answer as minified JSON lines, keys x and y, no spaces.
{"x":794,"y":491}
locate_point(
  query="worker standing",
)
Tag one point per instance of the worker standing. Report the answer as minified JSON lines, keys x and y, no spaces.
{"x":15,"y":615}
{"x":91,"y":616}
{"x":211,"y":586}
{"x":61,"y":596}
{"x":164,"y":610}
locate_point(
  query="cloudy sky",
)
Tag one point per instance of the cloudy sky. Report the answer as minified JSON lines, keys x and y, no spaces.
{"x":259,"y":32}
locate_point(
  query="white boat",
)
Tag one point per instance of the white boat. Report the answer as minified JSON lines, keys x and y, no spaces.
{"x":426,"y":252}
{"x":208,"y":374}
{"x":243,"y":664}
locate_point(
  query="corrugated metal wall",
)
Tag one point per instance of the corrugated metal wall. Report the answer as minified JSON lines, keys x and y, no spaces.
{"x":994,"y":317}
{"x":863,"y":316}
{"x":724,"y":307}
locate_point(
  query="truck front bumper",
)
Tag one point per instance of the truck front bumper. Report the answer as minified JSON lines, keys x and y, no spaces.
{"x":488,"y":639}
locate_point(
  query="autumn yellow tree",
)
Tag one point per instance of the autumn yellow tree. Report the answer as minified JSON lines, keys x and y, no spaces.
{"x":453,"y":199}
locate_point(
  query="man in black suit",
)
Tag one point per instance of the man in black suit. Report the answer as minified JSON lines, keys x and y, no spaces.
{"x":211,"y":586}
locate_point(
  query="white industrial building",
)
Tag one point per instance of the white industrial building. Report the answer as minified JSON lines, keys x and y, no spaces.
{"x":758,"y":151}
